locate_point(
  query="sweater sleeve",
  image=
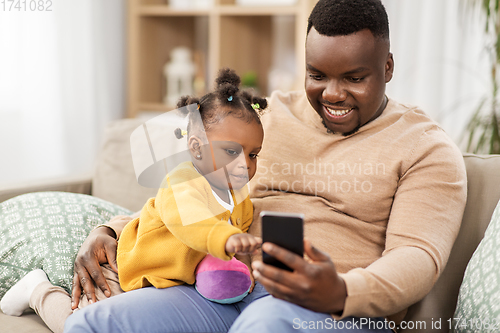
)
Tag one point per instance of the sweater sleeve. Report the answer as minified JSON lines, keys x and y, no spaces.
{"x":247,"y":214}
{"x":187,"y":213}
{"x":423,"y":224}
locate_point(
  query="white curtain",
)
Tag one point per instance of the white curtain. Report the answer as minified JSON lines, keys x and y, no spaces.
{"x":61,"y":81}
{"x":440,"y":61}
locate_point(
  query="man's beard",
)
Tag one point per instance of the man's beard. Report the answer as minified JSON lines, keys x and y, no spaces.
{"x":329,"y":131}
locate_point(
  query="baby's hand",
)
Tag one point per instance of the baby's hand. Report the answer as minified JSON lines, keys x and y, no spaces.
{"x":243,"y":243}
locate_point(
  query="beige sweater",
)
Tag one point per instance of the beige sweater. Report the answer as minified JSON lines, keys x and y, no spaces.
{"x":385,"y":203}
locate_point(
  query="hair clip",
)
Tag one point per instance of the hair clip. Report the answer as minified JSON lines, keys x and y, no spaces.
{"x":179,"y":134}
{"x":230,"y":98}
{"x":256,"y":106}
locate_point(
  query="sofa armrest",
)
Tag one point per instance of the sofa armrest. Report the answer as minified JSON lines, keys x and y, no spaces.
{"x":75,"y":184}
{"x":483,"y":193}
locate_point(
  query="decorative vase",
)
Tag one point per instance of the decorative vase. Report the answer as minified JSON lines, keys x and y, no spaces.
{"x":179,"y":74}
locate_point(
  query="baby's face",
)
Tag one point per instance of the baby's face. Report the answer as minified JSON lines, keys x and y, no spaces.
{"x":229,"y":161}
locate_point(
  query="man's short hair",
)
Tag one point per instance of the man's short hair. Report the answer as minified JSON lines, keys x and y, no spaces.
{"x":345,"y":17}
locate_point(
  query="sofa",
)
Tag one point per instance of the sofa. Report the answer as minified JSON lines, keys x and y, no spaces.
{"x":114,"y":180}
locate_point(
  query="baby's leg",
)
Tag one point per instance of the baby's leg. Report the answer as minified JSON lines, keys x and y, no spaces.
{"x":51,"y":303}
{"x":17,"y":299}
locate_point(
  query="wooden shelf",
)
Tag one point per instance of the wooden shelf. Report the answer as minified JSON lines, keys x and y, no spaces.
{"x":164,"y":10}
{"x":256,"y":11}
{"x":225,"y":35}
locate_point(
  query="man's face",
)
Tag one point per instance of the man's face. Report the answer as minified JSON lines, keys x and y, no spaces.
{"x":346,"y":77}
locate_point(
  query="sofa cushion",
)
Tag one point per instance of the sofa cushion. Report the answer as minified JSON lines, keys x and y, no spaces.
{"x":114,"y":177}
{"x":45,"y":230}
{"x":478,"y":307}
{"x":29,"y":322}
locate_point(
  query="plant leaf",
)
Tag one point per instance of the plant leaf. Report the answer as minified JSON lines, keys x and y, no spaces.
{"x":495,"y":136}
{"x":474,"y":123}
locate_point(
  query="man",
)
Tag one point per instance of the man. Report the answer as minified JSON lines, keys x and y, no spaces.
{"x":381,"y":185}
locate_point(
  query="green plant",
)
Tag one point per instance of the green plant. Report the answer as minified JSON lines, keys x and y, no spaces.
{"x":249,"y":79}
{"x":483,"y":130}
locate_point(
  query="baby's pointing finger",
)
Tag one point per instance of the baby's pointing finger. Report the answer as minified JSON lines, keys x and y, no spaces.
{"x":258,"y":240}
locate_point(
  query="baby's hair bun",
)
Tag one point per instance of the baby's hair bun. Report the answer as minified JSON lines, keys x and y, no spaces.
{"x":227,"y":75}
{"x":253,"y":99}
{"x":183,"y":101}
{"x":258,"y":104}
{"x":261,"y":101}
{"x":227,"y":99}
{"x":227,"y":84}
{"x":187,"y":104}
{"x":227,"y":90}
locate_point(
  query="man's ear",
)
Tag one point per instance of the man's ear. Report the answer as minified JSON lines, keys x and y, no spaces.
{"x":194,"y":145}
{"x":389,"y":67}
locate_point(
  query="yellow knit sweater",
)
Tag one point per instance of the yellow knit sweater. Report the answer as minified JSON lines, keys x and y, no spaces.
{"x":176,"y":230}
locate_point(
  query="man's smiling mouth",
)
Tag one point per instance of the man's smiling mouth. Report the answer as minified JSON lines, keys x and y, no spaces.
{"x":337,"y":112}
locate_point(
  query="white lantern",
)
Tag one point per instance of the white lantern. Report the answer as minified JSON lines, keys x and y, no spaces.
{"x":179,"y":74}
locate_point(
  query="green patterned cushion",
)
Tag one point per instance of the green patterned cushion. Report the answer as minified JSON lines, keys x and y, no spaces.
{"x":478,"y":307}
{"x":45,"y":230}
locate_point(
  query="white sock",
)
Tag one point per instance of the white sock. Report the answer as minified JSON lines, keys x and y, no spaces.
{"x":17,"y":298}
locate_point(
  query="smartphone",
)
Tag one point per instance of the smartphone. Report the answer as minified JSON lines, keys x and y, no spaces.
{"x":285,"y":230}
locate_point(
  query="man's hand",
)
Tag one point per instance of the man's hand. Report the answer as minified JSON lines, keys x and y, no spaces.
{"x":243,"y":244}
{"x":98,"y":248}
{"x":314,"y":285}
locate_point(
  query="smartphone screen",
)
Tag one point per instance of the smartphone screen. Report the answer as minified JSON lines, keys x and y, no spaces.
{"x":285,"y":230}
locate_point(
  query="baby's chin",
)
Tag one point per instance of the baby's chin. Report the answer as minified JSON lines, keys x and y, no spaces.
{"x":237,"y":184}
